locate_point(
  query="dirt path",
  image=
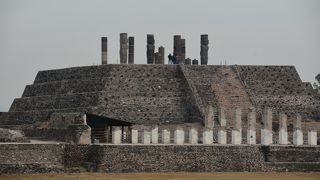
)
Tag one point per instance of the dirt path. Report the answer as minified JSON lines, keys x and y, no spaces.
{"x":174,"y":176}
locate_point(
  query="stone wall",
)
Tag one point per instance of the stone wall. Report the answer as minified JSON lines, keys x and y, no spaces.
{"x":177,"y":158}
{"x":38,"y":158}
{"x":31,"y":158}
{"x":148,"y":94}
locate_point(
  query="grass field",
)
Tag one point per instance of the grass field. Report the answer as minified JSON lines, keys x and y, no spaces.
{"x":174,"y":176}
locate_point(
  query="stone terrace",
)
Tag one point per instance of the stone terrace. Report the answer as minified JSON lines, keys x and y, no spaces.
{"x":280,"y":88}
{"x":143,"y":94}
{"x":162,"y":94}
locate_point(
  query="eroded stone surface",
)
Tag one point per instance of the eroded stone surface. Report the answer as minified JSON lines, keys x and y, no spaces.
{"x":8,"y":135}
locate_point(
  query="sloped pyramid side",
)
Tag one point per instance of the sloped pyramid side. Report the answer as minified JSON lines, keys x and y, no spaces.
{"x":280,"y":88}
{"x":142,"y":94}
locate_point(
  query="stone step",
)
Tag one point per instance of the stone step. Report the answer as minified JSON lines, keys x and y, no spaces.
{"x":114,"y":71}
{"x":269,"y":73}
{"x":29,"y":117}
{"x":64,"y":87}
{"x":75,"y":73}
{"x":279,"y":88}
{"x":56,"y":102}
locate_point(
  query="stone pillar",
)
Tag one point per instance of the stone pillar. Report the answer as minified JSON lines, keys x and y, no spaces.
{"x":154,"y":135}
{"x":195,"y":62}
{"x":283,"y":129}
{"x":134,"y":136}
{"x":193,"y":135}
{"x":146,"y":137}
{"x":116,"y":135}
{"x":222,"y":136}
{"x":177,"y":47}
{"x":165,"y":136}
{"x":156,"y":58}
{"x":131,"y":50}
{"x":207,"y":136}
{"x":161,"y":55}
{"x":266,"y":131}
{"x":204,"y":49}
{"x":150,"y":49}
{"x":183,"y":51}
{"x":297,"y":132}
{"x":251,"y":131}
{"x":209,"y":119}
{"x":123,"y":48}
{"x":312,"y":137}
{"x":104,"y":50}
{"x":187,"y":61}
{"x":222,"y":133}
{"x":237,"y":131}
{"x":179,"y":135}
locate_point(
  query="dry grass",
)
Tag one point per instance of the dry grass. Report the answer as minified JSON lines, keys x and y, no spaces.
{"x":174,"y":176}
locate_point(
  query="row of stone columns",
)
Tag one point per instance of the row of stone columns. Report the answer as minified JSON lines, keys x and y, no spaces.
{"x":267,"y":133}
{"x":123,"y":52}
{"x":126,"y":51}
{"x":179,"y":50}
{"x":152,"y":56}
{"x":151,"y":137}
{"x":236,"y":133}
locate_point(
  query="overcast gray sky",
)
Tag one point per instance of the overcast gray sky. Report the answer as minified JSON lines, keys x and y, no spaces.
{"x":41,"y":34}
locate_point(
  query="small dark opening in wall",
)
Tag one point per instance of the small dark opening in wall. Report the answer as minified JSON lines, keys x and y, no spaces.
{"x":290,"y":127}
{"x":101,"y":127}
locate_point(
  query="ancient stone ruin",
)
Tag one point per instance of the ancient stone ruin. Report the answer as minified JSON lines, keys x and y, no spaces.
{"x":267,"y":110}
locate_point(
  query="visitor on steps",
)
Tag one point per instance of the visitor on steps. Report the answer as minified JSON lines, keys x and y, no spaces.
{"x":174,"y":60}
{"x":170,"y":59}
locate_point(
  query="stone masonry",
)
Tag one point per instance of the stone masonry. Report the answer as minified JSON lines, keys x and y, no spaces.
{"x":44,"y":158}
{"x":164,"y":94}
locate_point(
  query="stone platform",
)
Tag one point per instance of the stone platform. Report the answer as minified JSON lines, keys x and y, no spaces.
{"x":156,"y":158}
{"x":162,"y":94}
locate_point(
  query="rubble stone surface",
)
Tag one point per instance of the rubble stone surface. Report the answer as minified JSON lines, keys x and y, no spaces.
{"x":8,"y":135}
